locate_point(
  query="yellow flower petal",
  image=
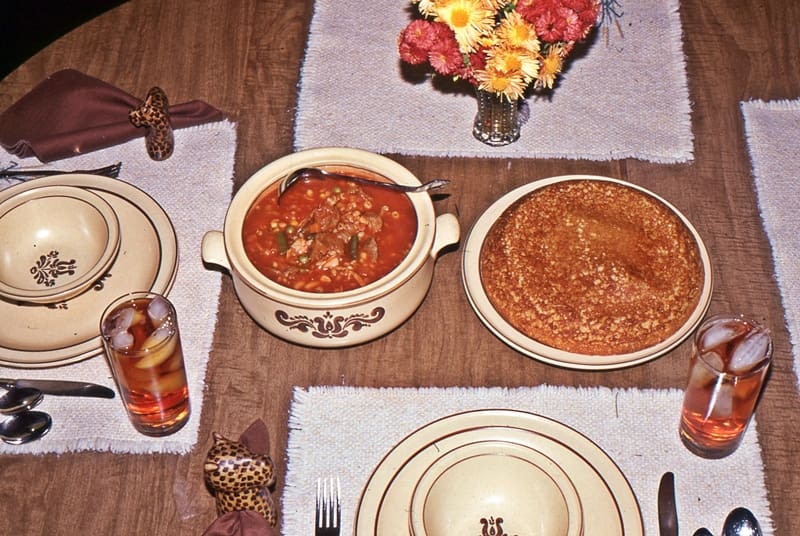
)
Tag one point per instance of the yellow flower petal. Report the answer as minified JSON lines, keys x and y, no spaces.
{"x":468,"y":19}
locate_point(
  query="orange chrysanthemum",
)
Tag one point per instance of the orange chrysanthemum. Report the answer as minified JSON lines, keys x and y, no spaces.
{"x":551,"y":66}
{"x":468,"y":19}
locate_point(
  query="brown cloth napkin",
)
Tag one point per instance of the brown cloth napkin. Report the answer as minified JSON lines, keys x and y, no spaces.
{"x":246,"y":522}
{"x":71,"y":113}
{"x":241,"y":523}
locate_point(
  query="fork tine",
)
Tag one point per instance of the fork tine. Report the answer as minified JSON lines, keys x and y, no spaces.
{"x":322,"y":503}
{"x":338,"y":504}
{"x":319,"y":511}
{"x":116,"y":169}
{"x":107,"y":171}
{"x":328,"y":507}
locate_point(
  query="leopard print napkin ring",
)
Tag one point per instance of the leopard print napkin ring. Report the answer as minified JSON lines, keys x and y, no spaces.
{"x":240,"y":478}
{"x":153,"y":114}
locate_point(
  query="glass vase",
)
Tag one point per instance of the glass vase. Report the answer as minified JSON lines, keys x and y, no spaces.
{"x":497,"y":120}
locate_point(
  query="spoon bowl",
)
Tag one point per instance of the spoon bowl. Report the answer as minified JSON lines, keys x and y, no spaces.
{"x":741,"y":522}
{"x":25,"y":427}
{"x":301,"y":173}
{"x":703,"y":532}
{"x":19,"y":399}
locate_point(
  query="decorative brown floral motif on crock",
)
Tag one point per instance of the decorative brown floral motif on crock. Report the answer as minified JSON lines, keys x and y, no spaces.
{"x":49,"y":267}
{"x":329,"y":326}
{"x":492,"y":527}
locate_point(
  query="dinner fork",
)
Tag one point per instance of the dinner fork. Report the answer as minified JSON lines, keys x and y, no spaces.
{"x":329,"y":508}
{"x":106,"y":171}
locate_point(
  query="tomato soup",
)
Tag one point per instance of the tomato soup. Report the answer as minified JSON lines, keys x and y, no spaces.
{"x":328,"y":235}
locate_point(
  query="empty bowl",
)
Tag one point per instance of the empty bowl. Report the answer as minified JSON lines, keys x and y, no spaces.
{"x":495,"y":487}
{"x":55,"y":242}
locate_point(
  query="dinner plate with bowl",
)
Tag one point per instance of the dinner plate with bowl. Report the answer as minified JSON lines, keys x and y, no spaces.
{"x":608,"y":504}
{"x":587,"y":272}
{"x":302,"y":265}
{"x":56,"y":242}
{"x":501,"y":487}
{"x":49,"y":335}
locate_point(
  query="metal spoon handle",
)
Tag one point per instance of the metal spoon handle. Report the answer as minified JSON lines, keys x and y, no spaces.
{"x":302,"y":172}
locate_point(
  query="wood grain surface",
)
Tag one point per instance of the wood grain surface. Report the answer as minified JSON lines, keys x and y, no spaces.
{"x":244,"y":57}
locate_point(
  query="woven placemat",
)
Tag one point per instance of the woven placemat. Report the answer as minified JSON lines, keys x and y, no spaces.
{"x":346,"y":431}
{"x":194,"y":187}
{"x":773,"y":131}
{"x":626,"y":96}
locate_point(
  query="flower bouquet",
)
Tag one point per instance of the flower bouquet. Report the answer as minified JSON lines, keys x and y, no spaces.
{"x":502,"y":47}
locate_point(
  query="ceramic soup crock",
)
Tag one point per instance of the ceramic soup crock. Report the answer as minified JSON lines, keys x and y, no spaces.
{"x":329,"y":320}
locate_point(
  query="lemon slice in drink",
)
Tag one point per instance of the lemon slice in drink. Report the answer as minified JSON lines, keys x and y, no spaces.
{"x":162,"y":349}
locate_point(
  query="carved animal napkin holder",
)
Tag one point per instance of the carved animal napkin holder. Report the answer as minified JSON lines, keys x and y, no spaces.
{"x":153,"y":114}
{"x":239,"y":474}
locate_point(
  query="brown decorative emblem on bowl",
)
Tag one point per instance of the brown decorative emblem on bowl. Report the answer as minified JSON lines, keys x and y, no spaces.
{"x":49,"y":267}
{"x":492,"y":527}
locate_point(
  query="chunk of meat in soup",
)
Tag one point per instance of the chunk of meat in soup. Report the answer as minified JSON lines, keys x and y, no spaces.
{"x":327,"y":245}
{"x":323,"y":218}
{"x":369,"y":246}
{"x":373,"y":221}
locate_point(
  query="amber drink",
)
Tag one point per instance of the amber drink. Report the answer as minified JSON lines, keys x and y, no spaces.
{"x":730,"y":359}
{"x":143,"y":347}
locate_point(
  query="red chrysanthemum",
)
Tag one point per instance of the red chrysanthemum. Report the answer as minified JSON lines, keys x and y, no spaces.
{"x":587,"y":11}
{"x":532,"y":9}
{"x":476,"y":61}
{"x":550,"y":27}
{"x":573,"y":29}
{"x":416,"y":40}
{"x":445,"y":56}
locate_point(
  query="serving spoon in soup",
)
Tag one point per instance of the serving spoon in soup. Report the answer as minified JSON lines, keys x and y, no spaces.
{"x":318,"y":173}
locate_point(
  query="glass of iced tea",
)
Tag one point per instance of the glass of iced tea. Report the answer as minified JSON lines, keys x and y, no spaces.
{"x":143,"y":347}
{"x":730,"y":359}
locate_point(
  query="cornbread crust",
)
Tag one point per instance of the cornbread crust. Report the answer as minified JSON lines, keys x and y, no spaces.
{"x":592,"y":267}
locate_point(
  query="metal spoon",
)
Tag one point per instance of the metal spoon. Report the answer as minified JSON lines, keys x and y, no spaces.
{"x":741,"y":522}
{"x":19,"y":399}
{"x":25,"y":427}
{"x":298,"y":174}
{"x":703,"y":532}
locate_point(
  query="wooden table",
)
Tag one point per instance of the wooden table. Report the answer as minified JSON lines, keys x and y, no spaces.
{"x":244,"y":57}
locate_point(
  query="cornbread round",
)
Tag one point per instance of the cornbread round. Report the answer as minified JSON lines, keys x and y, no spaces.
{"x":592,"y":267}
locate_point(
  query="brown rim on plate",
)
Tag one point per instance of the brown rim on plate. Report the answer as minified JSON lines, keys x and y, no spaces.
{"x":609,"y":504}
{"x":503,"y":329}
{"x":73,"y":325}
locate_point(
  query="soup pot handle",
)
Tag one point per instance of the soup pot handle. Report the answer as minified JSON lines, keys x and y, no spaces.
{"x":448,"y":232}
{"x":213,"y":249}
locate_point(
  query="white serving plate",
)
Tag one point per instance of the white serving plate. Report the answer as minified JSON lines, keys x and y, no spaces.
{"x":471,"y":279}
